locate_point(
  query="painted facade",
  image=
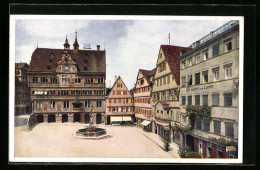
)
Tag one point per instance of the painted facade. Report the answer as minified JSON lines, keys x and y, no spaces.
{"x":142,"y":98}
{"x":119,"y":104}
{"x":209,"y":78}
{"x":67,"y":85}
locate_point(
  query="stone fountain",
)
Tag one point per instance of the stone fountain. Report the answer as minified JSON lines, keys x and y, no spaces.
{"x":92,"y":131}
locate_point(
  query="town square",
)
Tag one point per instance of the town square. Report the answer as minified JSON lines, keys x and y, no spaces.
{"x":162,"y":92}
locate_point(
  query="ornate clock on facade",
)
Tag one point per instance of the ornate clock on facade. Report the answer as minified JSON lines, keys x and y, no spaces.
{"x":66,"y":68}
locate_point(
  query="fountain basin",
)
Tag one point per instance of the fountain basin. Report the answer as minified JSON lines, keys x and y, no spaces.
{"x":96,"y":132}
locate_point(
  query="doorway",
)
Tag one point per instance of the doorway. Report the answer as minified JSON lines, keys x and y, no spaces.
{"x":51,"y":118}
{"x":64,"y":118}
{"x":76,"y":117}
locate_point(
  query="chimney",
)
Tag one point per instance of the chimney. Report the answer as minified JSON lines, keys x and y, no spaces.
{"x":98,"y":47}
{"x":197,"y":43}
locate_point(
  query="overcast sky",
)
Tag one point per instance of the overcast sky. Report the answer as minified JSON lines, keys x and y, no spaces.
{"x":130,"y":44}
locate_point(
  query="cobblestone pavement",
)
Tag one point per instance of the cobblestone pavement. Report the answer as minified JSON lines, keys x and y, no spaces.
{"x":57,"y":140}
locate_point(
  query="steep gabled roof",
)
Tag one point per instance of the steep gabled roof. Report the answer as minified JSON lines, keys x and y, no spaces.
{"x":172,"y":54}
{"x":115,"y":84}
{"x":151,"y":73}
{"x":21,"y":65}
{"x":96,"y":60}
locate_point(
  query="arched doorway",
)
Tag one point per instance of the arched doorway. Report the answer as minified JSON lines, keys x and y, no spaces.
{"x":64,"y":118}
{"x":39,"y":118}
{"x":51,"y":118}
{"x":87,"y":118}
{"x":98,"y":118}
{"x":76,"y":117}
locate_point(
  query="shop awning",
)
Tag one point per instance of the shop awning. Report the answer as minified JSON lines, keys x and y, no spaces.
{"x":145,"y":123}
{"x":116,"y":119}
{"x":127,"y":118}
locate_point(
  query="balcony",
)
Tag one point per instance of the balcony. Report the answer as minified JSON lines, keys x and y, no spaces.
{"x":44,"y":84}
{"x":164,"y":120}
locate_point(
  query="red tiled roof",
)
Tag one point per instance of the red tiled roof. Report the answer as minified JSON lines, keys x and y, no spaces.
{"x":96,"y":60}
{"x":165,"y":105}
{"x":151,"y":73}
{"x":172,"y":54}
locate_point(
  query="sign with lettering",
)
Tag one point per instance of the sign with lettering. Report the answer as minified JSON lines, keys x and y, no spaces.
{"x":202,"y":88}
{"x":231,"y":148}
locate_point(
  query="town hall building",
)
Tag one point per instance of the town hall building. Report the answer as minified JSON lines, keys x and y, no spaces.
{"x":67,"y":85}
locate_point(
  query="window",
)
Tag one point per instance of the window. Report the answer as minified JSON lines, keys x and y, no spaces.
{"x":164,"y":80}
{"x":190,"y":80}
{"x":99,"y":103}
{"x":90,"y":80}
{"x":206,"y":124}
{"x":228,"y":72}
{"x":197,"y":78}
{"x":52,"y":104}
{"x":197,"y":57}
{"x":48,"y":68}
{"x":205,"y":76}
{"x":205,"y":54}
{"x":51,"y":61}
{"x":228,"y":44}
{"x":35,"y":79}
{"x":77,"y":79}
{"x":183,"y":63}
{"x":177,"y":116}
{"x":168,"y":79}
{"x":227,"y":99}
{"x":217,"y":127}
{"x":189,"y":100}
{"x":215,"y":50}
{"x":215,"y":99}
{"x":157,"y":83}
{"x":205,"y":100}
{"x":85,"y":68}
{"x":160,"y":82}
{"x":183,"y":80}
{"x":161,"y":112}
{"x":198,"y":123}
{"x":215,"y":74}
{"x":87,"y":103}
{"x":65,"y":79}
{"x":190,"y":61}
{"x":44,"y":79}
{"x":219,"y":153}
{"x":66,"y":104}
{"x":183,"y":100}
{"x":53,"y":80}
{"x":197,"y":100}
{"x":229,"y":129}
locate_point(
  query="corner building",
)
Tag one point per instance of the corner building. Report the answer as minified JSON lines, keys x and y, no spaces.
{"x":209,"y":79}
{"x":22,"y":102}
{"x":67,"y":85}
{"x":165,"y":92}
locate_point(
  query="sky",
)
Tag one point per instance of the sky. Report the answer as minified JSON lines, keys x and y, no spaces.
{"x":130,"y":44}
